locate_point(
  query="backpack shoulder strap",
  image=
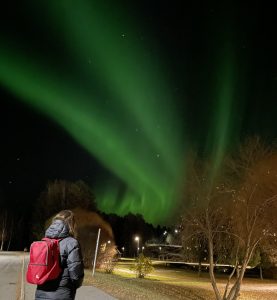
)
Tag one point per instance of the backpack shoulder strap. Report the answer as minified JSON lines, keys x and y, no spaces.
{"x":50,"y":239}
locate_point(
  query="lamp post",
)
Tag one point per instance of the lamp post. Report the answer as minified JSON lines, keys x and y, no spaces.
{"x":137,"y":240}
{"x":96,"y":249}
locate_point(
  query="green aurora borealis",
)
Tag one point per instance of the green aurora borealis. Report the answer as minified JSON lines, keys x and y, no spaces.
{"x":120,"y":109}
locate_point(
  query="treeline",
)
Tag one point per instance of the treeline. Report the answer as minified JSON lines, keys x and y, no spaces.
{"x":17,"y":230}
{"x":126,"y":228}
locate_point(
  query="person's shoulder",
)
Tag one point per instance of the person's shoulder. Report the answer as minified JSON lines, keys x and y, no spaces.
{"x":70,"y":243}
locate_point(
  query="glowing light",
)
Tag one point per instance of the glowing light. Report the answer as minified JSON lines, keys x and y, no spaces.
{"x":123,"y":112}
{"x":146,"y":162}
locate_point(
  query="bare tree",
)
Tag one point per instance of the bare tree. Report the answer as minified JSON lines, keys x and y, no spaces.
{"x":6,"y":227}
{"x":59,"y":195}
{"x":233,"y":211}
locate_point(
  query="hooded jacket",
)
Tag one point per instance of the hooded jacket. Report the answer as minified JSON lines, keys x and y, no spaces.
{"x":71,"y":277}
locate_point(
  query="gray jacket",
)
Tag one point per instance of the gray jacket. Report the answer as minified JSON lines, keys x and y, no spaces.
{"x":64,"y":287}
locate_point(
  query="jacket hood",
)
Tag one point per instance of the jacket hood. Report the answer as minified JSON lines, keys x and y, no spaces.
{"x":58,"y":229}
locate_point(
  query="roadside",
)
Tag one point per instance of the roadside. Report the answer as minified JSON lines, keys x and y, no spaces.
{"x":166,"y":284}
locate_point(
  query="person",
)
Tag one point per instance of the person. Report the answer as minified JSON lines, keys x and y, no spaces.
{"x":63,"y":227}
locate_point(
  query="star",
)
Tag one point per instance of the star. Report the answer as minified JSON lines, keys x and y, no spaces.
{"x":123,"y":35}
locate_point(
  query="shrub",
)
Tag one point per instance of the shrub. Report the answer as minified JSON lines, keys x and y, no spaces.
{"x":143,"y":266}
{"x":107,"y":259}
{"x":109,"y":264}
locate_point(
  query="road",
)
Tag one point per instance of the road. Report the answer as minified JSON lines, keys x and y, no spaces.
{"x":13,"y":285}
{"x":11,"y":265}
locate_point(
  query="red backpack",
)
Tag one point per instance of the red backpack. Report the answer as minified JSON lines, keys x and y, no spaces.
{"x":44,"y":262}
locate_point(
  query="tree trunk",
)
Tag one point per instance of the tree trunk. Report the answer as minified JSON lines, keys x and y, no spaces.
{"x":261,"y":272}
{"x":211,"y":259}
{"x":10,"y":237}
{"x":213,"y":280}
{"x":4,"y":229}
{"x":2,"y":239}
{"x":234,"y":292}
{"x":229,"y":280}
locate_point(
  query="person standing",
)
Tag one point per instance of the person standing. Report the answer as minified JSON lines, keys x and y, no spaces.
{"x":63,"y":227}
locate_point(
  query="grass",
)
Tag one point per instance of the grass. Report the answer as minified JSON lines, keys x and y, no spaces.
{"x":133,"y":288}
{"x":165,"y":284}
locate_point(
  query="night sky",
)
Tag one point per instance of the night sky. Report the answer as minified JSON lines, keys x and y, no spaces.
{"x":116,"y":94}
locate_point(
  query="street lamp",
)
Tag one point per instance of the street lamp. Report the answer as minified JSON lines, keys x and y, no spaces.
{"x":137,"y":240}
